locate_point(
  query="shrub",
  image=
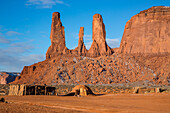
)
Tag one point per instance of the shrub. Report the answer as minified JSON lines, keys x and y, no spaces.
{"x":2,"y":100}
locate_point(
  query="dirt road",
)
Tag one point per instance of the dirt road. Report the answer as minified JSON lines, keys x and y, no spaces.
{"x":123,"y":103}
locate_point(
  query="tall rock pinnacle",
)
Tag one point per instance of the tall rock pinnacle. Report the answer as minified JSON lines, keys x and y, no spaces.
{"x":81,"y":34}
{"x":81,"y":47}
{"x":57,"y":37}
{"x":99,"y":45}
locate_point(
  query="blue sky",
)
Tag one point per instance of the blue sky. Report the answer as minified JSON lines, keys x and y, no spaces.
{"x":25,"y":25}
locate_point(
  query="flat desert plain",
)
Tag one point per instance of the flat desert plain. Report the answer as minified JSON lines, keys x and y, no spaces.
{"x":109,"y":103}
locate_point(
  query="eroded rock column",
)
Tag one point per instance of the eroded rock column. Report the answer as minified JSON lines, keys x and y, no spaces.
{"x":81,"y":47}
{"x":99,"y":46}
{"x":57,"y":37}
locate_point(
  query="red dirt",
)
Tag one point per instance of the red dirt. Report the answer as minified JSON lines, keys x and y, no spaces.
{"x":124,"y":103}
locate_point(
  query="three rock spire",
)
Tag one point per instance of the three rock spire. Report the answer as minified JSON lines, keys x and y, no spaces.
{"x":99,"y":46}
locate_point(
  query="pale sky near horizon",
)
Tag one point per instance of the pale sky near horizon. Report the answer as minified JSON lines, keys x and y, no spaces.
{"x":25,"y":25}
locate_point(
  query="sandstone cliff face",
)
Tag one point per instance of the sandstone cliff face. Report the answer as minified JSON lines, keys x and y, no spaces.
{"x":57,"y":37}
{"x":99,"y":45}
{"x":147,"y":32}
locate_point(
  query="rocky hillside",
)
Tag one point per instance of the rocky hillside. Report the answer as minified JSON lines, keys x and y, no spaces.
{"x":143,"y":55}
{"x":71,"y":69}
{"x":7,"y":77}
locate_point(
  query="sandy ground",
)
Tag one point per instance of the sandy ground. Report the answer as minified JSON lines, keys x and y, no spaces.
{"x":111,"y":103}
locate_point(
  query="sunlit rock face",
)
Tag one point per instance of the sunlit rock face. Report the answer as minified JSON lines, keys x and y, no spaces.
{"x":147,"y":33}
{"x":81,"y":48}
{"x":99,"y":46}
{"x":57,"y":37}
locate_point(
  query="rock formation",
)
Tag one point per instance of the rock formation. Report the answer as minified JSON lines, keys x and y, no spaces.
{"x":143,"y":55}
{"x":6,"y":77}
{"x":99,"y":46}
{"x":81,"y":49}
{"x":57,"y":37}
{"x":147,"y":33}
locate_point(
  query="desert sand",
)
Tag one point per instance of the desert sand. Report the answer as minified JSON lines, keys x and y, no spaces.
{"x":109,"y":103}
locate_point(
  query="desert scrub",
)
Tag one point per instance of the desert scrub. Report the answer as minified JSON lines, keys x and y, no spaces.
{"x":2,"y":100}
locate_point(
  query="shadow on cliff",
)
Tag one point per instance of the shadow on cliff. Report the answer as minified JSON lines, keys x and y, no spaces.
{"x":10,"y":78}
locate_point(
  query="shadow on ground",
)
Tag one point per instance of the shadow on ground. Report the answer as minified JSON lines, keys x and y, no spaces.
{"x":73,"y":94}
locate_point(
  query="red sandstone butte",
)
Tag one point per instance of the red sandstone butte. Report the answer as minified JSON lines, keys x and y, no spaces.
{"x":143,"y":56}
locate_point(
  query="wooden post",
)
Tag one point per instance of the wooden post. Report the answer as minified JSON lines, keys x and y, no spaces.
{"x":45,"y":90}
{"x":25,"y":90}
{"x":35,"y":90}
{"x":29,"y":90}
